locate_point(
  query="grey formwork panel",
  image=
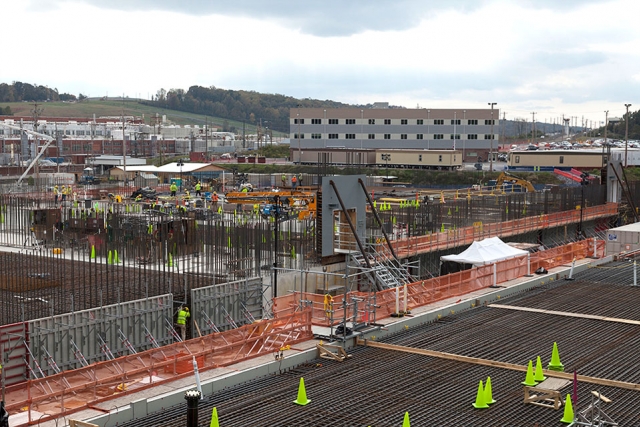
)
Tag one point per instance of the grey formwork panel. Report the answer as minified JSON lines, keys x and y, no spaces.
{"x":55,"y":334}
{"x":231,"y":296}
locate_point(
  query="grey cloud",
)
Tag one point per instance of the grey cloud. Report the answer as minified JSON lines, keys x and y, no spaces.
{"x":323,"y":18}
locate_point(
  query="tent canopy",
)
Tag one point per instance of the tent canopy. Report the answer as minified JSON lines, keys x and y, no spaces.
{"x":487,"y":251}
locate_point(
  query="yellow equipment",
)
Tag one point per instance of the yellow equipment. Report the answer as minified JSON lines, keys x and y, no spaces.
{"x":304,"y":202}
{"x":507,"y":178}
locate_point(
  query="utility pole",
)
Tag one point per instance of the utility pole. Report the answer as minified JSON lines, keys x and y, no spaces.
{"x":491,"y":150}
{"x":533,"y":128}
{"x":626,"y":134}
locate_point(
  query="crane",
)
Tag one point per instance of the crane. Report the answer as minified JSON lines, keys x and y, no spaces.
{"x":48,"y":142}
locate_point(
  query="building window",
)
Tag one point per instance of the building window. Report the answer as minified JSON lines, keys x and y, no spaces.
{"x":372,"y":121}
{"x":298,"y":121}
{"x":350,"y":136}
{"x":472,"y":136}
{"x":489,"y":122}
{"x":387,"y":121}
{"x":372,"y":136}
{"x":316,"y":121}
{"x":403,"y":121}
{"x":333,"y":136}
{"x":455,"y":122}
{"x":457,"y":136}
{"x":439,"y":157}
{"x":350,"y":121}
{"x":438,"y":136}
{"x":333,"y":121}
{"x":419,"y":122}
{"x":403,"y":136}
{"x":419,"y":136}
{"x":438,"y":122}
{"x":387,"y":136}
{"x":488,"y":137}
{"x":561,"y":160}
{"x":472,"y":122}
{"x":517,"y":159}
{"x":298,"y":136}
{"x":419,"y":157}
{"x":316,"y":136}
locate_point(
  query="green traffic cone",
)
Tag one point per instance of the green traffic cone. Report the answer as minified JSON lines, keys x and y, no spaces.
{"x":302,"y":395}
{"x":555,"y":364}
{"x":529,"y":380}
{"x":480,"y":403}
{"x":93,"y":252}
{"x":406,"y":422}
{"x":488,"y":393}
{"x":116,"y":260}
{"x":170,"y":263}
{"x":109,"y":259}
{"x":214,"y":418}
{"x":567,"y":418}
{"x":539,"y":376}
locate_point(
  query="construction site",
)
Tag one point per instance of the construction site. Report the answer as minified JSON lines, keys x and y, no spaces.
{"x":385,"y":302}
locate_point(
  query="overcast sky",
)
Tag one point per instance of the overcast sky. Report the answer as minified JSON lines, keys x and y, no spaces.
{"x":553,"y":57}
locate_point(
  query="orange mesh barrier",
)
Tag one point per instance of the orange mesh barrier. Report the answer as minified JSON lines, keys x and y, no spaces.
{"x":465,"y":236}
{"x":80,"y":388}
{"x":439,"y":288}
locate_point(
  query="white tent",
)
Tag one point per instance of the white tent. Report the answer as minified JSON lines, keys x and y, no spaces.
{"x":487,"y":251}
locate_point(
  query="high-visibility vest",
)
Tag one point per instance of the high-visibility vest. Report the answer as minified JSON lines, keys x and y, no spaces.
{"x":182,"y":317}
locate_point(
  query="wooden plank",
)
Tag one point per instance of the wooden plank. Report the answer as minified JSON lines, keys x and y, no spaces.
{"x":498,"y":364}
{"x":76,"y":423}
{"x":600,"y":396}
{"x":553,"y":384}
{"x":567,"y":314}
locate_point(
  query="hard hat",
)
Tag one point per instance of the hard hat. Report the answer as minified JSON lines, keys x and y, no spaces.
{"x":186,"y":309}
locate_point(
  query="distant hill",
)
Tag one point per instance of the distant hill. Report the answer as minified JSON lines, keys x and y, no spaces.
{"x":231,"y":110}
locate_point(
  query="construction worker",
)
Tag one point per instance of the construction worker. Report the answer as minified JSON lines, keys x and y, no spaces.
{"x":294,"y":182}
{"x":174,"y":189}
{"x":187,"y":195}
{"x":284,"y":180}
{"x":181,"y":322}
{"x":214,"y":199}
{"x":63,"y":190}
{"x":198,"y":188}
{"x":55,"y":194}
{"x":300,"y":179}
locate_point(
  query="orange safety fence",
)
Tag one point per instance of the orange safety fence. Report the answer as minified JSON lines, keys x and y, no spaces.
{"x":466,"y":235}
{"x":76,"y":389}
{"x":439,"y":288}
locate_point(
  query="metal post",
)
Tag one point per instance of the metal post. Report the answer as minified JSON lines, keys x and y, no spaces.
{"x":275,"y":251}
{"x":635,"y":275}
{"x":495,"y":275}
{"x":626,"y":134}
{"x":491,"y":151}
{"x":193,"y":398}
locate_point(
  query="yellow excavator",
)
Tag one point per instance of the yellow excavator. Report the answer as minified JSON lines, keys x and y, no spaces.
{"x":507,"y":178}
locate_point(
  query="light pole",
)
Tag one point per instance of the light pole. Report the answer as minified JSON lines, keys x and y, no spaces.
{"x":299,"y":146}
{"x":386,"y":158}
{"x":180,"y":164}
{"x":626,"y":134}
{"x":491,"y":150}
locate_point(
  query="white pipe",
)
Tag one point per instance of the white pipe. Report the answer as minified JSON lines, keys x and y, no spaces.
{"x":405,"y":298}
{"x":197,"y":374}
{"x":397,"y":300}
{"x":528,"y":264}
{"x":635,"y":275}
{"x":595,"y":253}
{"x":495,"y":275}
{"x":573,"y":264}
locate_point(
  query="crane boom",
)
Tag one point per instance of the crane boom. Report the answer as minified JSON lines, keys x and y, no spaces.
{"x":48,"y":138}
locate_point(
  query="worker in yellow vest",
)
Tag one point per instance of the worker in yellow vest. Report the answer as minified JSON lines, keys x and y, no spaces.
{"x":181,"y":322}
